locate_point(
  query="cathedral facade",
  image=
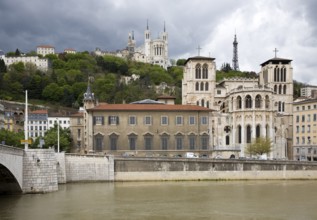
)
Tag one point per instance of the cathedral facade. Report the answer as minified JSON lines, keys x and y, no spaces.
{"x":244,"y":108}
{"x":153,"y":51}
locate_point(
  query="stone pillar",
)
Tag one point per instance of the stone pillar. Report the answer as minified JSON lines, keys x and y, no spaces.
{"x":39,"y":171}
{"x":242,"y":135}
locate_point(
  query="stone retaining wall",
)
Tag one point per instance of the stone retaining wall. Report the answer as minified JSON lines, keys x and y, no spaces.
{"x":145,"y":169}
{"x":89,"y":168}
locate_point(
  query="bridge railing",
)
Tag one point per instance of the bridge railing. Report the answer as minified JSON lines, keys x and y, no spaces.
{"x":11,"y":150}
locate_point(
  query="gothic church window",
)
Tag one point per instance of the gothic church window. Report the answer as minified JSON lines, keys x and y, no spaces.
{"x":239,"y":134}
{"x":280,"y":89}
{"x":248,"y":134}
{"x":201,"y":86}
{"x":197,"y":86}
{"x":239,"y":102}
{"x":248,"y":101}
{"x":198,"y":71}
{"x":258,"y":131}
{"x":206,"y":86}
{"x":205,"y":71}
{"x":284,"y":89}
{"x":258,"y":101}
{"x":275,"y":88}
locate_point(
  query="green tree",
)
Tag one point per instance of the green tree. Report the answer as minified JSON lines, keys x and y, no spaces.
{"x":11,"y":138}
{"x":65,"y":139}
{"x":259,"y":146}
{"x":3,"y":67}
{"x":180,"y":62}
{"x":17,"y":52}
{"x":226,"y":67}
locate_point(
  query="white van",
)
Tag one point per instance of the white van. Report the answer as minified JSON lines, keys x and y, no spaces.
{"x":190,"y":155}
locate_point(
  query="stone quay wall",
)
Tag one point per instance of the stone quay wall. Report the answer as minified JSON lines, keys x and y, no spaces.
{"x":39,"y":171}
{"x":160,"y":169}
{"x":79,"y":168}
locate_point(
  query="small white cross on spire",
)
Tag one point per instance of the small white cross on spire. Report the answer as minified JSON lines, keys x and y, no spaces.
{"x":198,"y":48}
{"x":275,"y":51}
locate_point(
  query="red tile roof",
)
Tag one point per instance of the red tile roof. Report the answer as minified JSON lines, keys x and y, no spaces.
{"x":45,"y":46}
{"x":148,"y":107}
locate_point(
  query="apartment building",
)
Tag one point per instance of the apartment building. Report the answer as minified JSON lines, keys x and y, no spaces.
{"x":305,"y":129}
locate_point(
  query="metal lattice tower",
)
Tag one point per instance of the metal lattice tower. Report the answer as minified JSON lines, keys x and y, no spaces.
{"x":235,"y":62}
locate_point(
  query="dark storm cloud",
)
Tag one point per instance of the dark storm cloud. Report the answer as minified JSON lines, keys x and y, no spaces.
{"x":262,"y":25}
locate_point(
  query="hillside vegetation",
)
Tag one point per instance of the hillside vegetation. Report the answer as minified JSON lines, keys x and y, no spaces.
{"x":66,"y":81}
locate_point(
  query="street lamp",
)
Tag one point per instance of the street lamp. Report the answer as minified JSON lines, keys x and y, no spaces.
{"x":57,"y":135}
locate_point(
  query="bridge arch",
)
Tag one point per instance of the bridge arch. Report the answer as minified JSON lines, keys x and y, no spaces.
{"x":8,"y":182}
{"x":11,"y":169}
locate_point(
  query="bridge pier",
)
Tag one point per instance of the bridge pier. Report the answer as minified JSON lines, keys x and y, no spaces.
{"x":39,"y":171}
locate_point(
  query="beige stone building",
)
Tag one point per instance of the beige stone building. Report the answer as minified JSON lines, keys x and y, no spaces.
{"x":146,"y":128}
{"x":45,"y":49}
{"x":305,"y":129}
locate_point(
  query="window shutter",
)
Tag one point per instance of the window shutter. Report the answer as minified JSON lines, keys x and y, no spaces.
{"x":102,"y":120}
{"x":109,"y":120}
{"x":94,"y":120}
{"x":117,"y":120}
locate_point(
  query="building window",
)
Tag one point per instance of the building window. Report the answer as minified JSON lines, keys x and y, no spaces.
{"x":248,"y":101}
{"x":179,"y":142}
{"x":308,"y":141}
{"x":297,"y":140}
{"x":227,"y":140}
{"x":198,"y":71}
{"x":78,"y":121}
{"x":308,"y":107}
{"x":297,"y":108}
{"x":132,"y":141}
{"x":164,"y":142}
{"x":315,"y":117}
{"x":218,"y":92}
{"x":308,"y":118}
{"x":248,"y":134}
{"x":192,"y":142}
{"x":164,"y":120}
{"x":148,"y":120}
{"x":239,"y":102}
{"x":132,"y":120}
{"x":258,"y":101}
{"x":204,"y":120}
{"x":113,"y":141}
{"x":113,"y":120}
{"x":98,"y":143}
{"x":308,"y":128}
{"x":205,"y":71}
{"x":303,"y":140}
{"x":191,"y":120}
{"x":258,"y":131}
{"x":78,"y":133}
{"x":297,"y":129}
{"x":98,"y":120}
{"x":179,"y":120}
{"x":239,"y":134}
{"x":197,"y":86}
{"x":297,"y":118}
{"x":303,"y":118}
{"x":303,"y":129}
{"x":303,"y":107}
{"x":204,"y":142}
{"x":148,"y":140}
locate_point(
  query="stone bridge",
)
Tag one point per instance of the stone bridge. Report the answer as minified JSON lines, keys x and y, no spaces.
{"x":27,"y":171}
{"x":11,"y":169}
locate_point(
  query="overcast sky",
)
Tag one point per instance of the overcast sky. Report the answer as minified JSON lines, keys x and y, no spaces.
{"x":260,"y":25}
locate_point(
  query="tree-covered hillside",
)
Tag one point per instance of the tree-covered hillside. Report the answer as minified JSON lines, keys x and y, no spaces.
{"x":66,"y":81}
